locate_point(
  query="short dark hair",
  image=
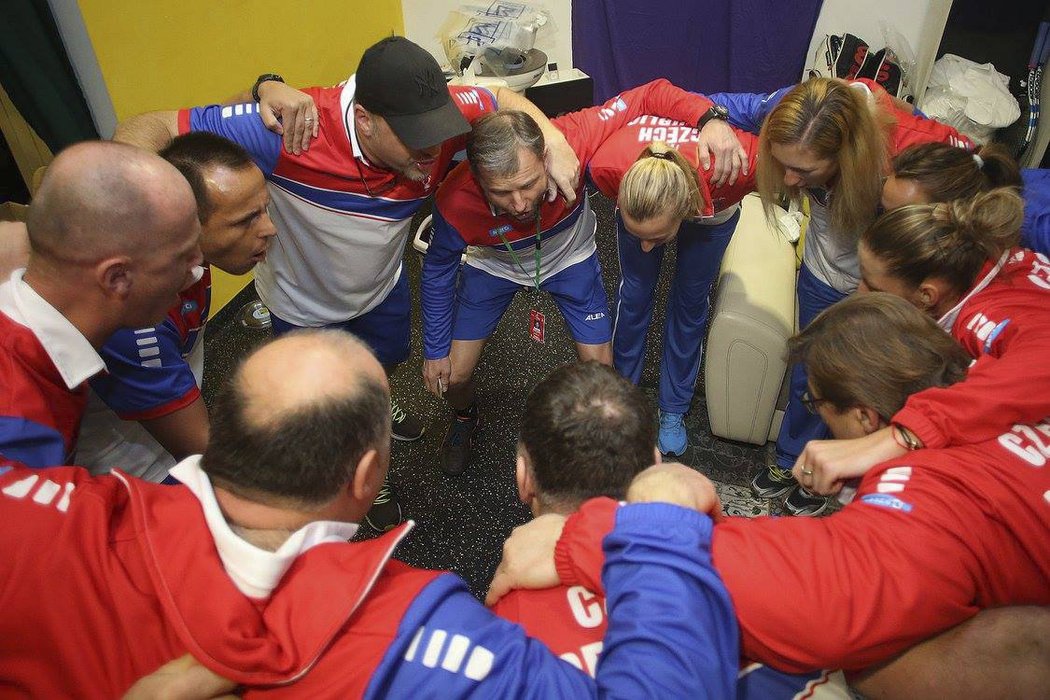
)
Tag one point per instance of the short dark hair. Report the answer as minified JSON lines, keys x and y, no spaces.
{"x":303,"y":457}
{"x":587,"y":432}
{"x":195,"y":153}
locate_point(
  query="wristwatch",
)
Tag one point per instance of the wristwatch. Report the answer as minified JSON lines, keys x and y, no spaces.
{"x":262,"y":79}
{"x":716,"y":112}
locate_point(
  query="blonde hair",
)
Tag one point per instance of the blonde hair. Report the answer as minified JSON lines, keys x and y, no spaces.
{"x":948,"y":241}
{"x":834,"y":122}
{"x":660,"y":182}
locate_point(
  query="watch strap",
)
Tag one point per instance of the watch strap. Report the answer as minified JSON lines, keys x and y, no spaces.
{"x":715,"y":112}
{"x":262,"y":79}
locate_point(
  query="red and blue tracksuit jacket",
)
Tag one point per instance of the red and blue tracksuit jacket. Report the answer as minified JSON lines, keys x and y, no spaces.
{"x":147,"y":375}
{"x":142,"y":583}
{"x":462,"y":216}
{"x":39,"y":415}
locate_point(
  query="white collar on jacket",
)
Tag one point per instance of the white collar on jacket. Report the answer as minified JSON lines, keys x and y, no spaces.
{"x":255,"y":571}
{"x":71,"y":353}
{"x":947,"y":321}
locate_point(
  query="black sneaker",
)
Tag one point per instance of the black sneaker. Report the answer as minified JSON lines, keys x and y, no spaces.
{"x":772,"y":481}
{"x":803,"y":502}
{"x":455,"y":450}
{"x":385,"y":513}
{"x":403,"y":425}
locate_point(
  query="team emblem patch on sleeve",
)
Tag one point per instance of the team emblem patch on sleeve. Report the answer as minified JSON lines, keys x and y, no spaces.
{"x":886,"y":501}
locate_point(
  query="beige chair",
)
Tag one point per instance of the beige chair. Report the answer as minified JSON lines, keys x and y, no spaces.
{"x":752,"y":316}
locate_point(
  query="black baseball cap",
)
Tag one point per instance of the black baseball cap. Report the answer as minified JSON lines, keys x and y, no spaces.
{"x":401,"y":82}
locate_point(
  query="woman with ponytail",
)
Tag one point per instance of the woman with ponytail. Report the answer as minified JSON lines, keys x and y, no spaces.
{"x":959,"y":262}
{"x":662,"y":195}
{"x":930,"y":539}
{"x":938,"y":172}
{"x":828,"y":142}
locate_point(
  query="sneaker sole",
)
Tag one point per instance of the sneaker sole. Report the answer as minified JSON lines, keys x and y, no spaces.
{"x":405,"y":438}
{"x":806,"y":513}
{"x":388,"y":528}
{"x":768,"y":494}
{"x":673,"y":453}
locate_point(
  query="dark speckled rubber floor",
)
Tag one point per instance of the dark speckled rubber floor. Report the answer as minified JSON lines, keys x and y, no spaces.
{"x":462,"y":521}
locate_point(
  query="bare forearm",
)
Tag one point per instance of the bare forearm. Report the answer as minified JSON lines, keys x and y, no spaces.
{"x":150,"y":130}
{"x":1000,"y":648}
{"x":182,"y":433}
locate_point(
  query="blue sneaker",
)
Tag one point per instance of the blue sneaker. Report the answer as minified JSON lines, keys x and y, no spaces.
{"x":673,"y":439}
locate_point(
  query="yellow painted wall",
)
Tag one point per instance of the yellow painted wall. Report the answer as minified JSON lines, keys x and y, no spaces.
{"x":166,"y":55}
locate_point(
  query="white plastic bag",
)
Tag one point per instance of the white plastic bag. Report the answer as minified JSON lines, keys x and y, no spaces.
{"x":499,"y":35}
{"x":974,"y":98}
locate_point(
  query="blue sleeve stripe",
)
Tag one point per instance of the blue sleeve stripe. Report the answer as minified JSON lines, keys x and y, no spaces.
{"x":493,"y":103}
{"x":31,"y":443}
{"x":995,"y":334}
{"x":242,"y":125}
{"x":437,"y":282}
{"x":147,"y":372}
{"x":562,"y":226}
{"x":349,"y":202}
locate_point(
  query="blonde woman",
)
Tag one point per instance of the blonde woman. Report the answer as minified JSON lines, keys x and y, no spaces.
{"x":830,"y":142}
{"x":662,"y":195}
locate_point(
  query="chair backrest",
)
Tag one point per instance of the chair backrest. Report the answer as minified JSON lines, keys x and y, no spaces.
{"x":752,"y":316}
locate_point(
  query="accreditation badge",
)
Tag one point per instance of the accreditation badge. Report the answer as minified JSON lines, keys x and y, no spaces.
{"x":536,"y":325}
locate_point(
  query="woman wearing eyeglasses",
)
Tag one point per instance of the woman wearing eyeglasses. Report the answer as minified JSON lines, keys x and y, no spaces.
{"x":931,"y":539}
{"x":830,"y":142}
{"x":958,"y":262}
{"x":664,"y":194}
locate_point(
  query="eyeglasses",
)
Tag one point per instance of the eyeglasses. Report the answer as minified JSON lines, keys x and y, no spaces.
{"x":811,"y":404}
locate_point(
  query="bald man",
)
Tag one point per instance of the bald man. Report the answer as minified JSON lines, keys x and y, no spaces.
{"x":248,"y":566}
{"x":113,"y":234}
{"x":146,"y":412}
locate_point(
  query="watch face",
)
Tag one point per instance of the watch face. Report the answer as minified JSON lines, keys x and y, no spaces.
{"x":715,"y":112}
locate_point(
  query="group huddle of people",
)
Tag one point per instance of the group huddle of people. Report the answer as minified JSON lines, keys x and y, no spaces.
{"x":219,"y":547}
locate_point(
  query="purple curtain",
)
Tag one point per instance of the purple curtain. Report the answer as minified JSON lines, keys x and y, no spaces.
{"x":702,"y":45}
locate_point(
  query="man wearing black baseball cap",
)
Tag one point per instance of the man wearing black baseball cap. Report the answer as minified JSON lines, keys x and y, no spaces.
{"x":385,"y":138}
{"x":402,"y":83}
